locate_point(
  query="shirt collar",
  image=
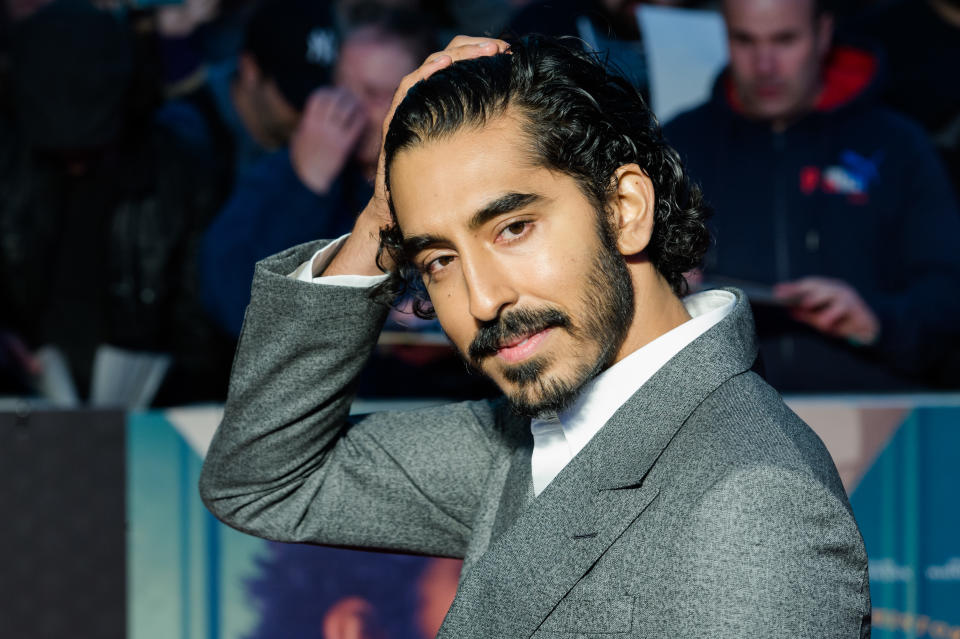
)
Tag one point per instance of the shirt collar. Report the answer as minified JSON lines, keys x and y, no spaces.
{"x":601,"y":397}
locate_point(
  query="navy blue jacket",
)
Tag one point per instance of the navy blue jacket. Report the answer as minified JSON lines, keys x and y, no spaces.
{"x":851,"y":191}
{"x":269,"y":210}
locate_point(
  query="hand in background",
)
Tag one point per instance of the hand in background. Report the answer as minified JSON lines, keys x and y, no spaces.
{"x":180,"y":20}
{"x":329,"y":129}
{"x":830,"y":306}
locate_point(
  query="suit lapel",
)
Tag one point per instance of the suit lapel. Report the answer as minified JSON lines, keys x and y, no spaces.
{"x":517,"y":490}
{"x":548,"y":545}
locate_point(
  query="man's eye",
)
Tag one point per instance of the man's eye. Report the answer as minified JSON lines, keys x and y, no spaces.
{"x":437,"y":264}
{"x":515,"y":230}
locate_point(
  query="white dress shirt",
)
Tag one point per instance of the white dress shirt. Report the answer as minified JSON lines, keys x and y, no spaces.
{"x":556,"y":441}
{"x":320,"y":260}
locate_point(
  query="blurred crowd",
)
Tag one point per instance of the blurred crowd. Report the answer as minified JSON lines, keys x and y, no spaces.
{"x":152,"y":151}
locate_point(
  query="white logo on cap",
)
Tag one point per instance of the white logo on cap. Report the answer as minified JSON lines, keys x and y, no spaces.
{"x":321,"y":47}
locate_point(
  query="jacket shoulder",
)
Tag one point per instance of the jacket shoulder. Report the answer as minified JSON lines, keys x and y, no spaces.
{"x":748,"y":425}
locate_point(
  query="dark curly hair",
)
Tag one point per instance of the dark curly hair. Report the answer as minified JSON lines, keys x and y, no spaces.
{"x":580,"y":118}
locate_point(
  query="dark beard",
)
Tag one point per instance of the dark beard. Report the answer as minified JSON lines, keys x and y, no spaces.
{"x":609,"y":294}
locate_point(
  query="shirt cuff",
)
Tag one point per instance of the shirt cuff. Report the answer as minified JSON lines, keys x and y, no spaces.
{"x":321,"y":259}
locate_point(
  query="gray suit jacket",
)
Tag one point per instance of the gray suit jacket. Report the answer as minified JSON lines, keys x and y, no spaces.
{"x":704,"y":507}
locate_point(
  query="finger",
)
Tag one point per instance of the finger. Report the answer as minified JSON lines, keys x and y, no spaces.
{"x":802,"y":285}
{"x":830,"y":318}
{"x":817,"y":297}
{"x":318,"y":103}
{"x":345,"y":100}
{"x":464,"y":40}
{"x":470,"y":51}
{"x":354,"y":124}
{"x":346,"y":107}
{"x":810,"y":318}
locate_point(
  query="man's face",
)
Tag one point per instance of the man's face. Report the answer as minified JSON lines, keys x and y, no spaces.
{"x":371,"y":67}
{"x":272,"y":119}
{"x":277,"y":116}
{"x":513,"y":259}
{"x":776,"y":51}
{"x":20,"y":9}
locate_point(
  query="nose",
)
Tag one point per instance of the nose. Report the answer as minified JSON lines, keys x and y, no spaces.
{"x":489,"y":289}
{"x":764,"y":60}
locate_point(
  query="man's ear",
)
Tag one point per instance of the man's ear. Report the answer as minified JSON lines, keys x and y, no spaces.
{"x":633,"y":209}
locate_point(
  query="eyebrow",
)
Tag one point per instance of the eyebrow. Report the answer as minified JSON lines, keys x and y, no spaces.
{"x":501,"y":205}
{"x":504,"y":204}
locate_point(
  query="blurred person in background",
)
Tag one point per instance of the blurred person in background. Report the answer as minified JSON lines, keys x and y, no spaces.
{"x":248,"y":107}
{"x":20,"y":9}
{"x":921,"y":40}
{"x":311,"y":592}
{"x":840,"y":205}
{"x":317,"y":186}
{"x":101,"y":208}
{"x":610,"y":26}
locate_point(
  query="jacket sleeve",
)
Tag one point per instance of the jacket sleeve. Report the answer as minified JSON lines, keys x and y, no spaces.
{"x":269,"y":210}
{"x":771,"y":552}
{"x":286,"y":464}
{"x":919,"y":329}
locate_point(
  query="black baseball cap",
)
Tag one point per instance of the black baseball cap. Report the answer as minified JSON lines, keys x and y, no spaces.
{"x":72,"y":66}
{"x":295,"y":44}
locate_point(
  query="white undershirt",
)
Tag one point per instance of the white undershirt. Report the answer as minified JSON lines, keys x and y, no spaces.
{"x":322,"y":258}
{"x":557,"y":441}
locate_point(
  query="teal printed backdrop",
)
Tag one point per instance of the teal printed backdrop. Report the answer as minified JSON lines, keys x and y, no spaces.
{"x":908,"y":508}
{"x":185,"y":570}
{"x":189,"y":575}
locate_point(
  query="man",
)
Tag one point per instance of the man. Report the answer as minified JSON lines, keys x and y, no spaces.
{"x":325,"y":176}
{"x":839,"y":204}
{"x":308,"y":592}
{"x":656,"y":487}
{"x":289,"y":49}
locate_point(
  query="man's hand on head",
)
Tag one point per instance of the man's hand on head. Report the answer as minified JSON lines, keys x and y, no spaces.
{"x":329,"y":129}
{"x":832,"y":307}
{"x":460,"y":48}
{"x":358,"y":254}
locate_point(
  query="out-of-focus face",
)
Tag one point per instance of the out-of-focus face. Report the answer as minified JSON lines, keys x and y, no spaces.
{"x":513,"y":261}
{"x":20,"y":9}
{"x":269,"y":117}
{"x":278,"y":117}
{"x":371,"y":67}
{"x":776,"y":52}
{"x":436,"y":587}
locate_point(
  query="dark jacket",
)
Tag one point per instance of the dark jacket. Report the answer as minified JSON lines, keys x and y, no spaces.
{"x":102,"y":250}
{"x":270,"y":209}
{"x":851,"y":191}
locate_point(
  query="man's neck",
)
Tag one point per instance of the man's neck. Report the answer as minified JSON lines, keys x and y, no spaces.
{"x":782,"y":123}
{"x":657,"y":310}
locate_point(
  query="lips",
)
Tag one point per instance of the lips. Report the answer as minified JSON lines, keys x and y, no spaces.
{"x":515,"y":334}
{"x":522,"y":347}
{"x":768,"y":91}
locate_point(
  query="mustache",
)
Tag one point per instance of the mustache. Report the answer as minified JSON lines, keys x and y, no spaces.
{"x":509,"y":326}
